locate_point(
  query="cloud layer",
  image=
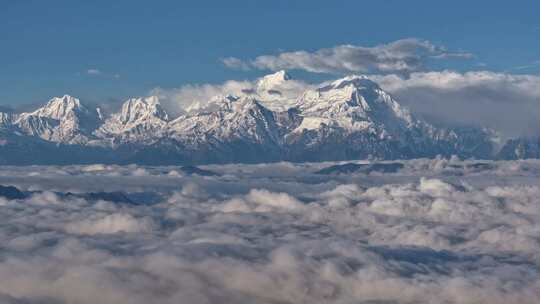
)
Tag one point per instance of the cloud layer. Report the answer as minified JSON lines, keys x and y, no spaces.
{"x":439,"y":231}
{"x":401,"y":56}
{"x":505,"y":102}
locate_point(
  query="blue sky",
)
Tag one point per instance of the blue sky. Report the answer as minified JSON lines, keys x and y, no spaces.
{"x":48,"y":47}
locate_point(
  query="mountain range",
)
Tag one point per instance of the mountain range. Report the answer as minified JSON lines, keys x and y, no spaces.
{"x":349,"y":118}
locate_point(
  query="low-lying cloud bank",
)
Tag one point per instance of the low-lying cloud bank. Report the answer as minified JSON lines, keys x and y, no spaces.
{"x":437,"y":231}
{"x":505,"y":102}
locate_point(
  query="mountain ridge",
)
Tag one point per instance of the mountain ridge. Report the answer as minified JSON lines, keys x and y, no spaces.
{"x":349,"y":118}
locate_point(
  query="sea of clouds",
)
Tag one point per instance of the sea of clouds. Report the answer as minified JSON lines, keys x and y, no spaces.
{"x":438,"y":231}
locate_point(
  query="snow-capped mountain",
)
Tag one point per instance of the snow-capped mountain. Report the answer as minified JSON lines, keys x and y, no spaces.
{"x":232,"y":128}
{"x":356,"y":115}
{"x":349,"y":118}
{"x":272,"y":81}
{"x":139,"y":119}
{"x":353,"y":103}
{"x":277,"y":92}
{"x":61,"y":120}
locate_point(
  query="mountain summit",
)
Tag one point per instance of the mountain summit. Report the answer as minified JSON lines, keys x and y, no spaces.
{"x":270,"y":82}
{"x":62,"y":119}
{"x":60,"y":107}
{"x":139,"y":119}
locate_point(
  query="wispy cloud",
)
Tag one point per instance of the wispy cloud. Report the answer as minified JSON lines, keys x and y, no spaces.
{"x":401,"y":56}
{"x":532,"y":65}
{"x":236,"y":63}
{"x":93,"y":72}
{"x":100,"y":73}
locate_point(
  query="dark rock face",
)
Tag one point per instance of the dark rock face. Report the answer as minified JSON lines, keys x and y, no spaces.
{"x":115,"y":197}
{"x":10,"y":192}
{"x":362,"y":168}
{"x":520,"y":148}
{"x":192,"y":170}
{"x":475,"y":167}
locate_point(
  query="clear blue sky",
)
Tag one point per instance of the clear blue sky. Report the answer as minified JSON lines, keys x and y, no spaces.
{"x":47,"y":47}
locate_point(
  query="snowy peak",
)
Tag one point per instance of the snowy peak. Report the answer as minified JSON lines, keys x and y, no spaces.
{"x":278,"y":91}
{"x":63,"y":119}
{"x":353,"y":103}
{"x":238,"y":105}
{"x":356,"y":81}
{"x":353,"y":96}
{"x":213,"y":105}
{"x":228,"y":120}
{"x":224,"y":104}
{"x":140,"y":109}
{"x":60,"y":107}
{"x":271,"y":81}
{"x":139,"y":119}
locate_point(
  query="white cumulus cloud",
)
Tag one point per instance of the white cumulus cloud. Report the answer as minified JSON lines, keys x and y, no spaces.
{"x":400,"y":56}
